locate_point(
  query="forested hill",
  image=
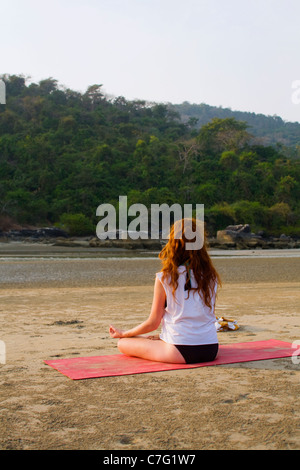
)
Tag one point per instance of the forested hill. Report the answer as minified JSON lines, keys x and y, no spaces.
{"x":63,"y":153}
{"x":270,"y":129}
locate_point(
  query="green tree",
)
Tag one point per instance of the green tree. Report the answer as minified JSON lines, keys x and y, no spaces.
{"x":220,"y":135}
{"x":286,"y":189}
{"x":229,"y":160}
{"x":252,"y":213}
{"x":279,"y":215}
{"x":76,"y":224}
{"x":219,"y":216}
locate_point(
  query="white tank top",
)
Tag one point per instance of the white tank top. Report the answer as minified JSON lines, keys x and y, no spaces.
{"x":187,"y":320}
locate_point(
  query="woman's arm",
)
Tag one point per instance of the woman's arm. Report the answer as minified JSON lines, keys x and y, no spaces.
{"x":152,"y":322}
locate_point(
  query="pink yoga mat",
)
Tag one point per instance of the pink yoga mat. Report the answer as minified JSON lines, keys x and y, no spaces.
{"x":78,"y":368}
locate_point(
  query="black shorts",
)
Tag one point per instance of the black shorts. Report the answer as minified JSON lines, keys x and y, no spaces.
{"x":199,"y":353}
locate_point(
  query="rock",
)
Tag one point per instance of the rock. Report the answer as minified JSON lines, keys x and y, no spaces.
{"x":245,"y":229}
{"x":239,"y":228}
{"x":36,"y":234}
{"x":234,"y":228}
{"x":284,"y":237}
{"x":261,"y":234}
{"x":225,"y":236}
{"x":70,"y":243}
{"x":53,"y":232}
{"x":152,"y":244}
{"x":126,"y":244}
{"x":241,"y":236}
{"x":234,"y":233}
{"x":3,"y":237}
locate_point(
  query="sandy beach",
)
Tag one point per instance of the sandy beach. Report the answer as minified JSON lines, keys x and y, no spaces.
{"x":59,"y":304}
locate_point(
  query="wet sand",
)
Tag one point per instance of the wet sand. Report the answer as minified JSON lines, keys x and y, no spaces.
{"x":53,"y":307}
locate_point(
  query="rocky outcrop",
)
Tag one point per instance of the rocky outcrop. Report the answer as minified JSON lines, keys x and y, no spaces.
{"x":58,"y":237}
{"x":232,"y":237}
{"x":241,"y":237}
{"x":127,"y":244}
{"x":33,"y":234}
{"x":232,"y":233}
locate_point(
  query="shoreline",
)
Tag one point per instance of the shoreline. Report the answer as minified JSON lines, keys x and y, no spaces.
{"x":233,"y":237}
{"x":28,"y":249}
{"x":34,"y":271}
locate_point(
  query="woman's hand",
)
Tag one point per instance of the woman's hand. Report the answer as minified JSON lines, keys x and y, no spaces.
{"x":152,"y":322}
{"x":115,"y":332}
{"x":153,"y":337}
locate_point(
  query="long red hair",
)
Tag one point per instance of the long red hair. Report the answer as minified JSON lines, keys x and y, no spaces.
{"x":175,"y":253}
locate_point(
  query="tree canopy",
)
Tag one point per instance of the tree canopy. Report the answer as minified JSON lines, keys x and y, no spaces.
{"x":62,"y":153}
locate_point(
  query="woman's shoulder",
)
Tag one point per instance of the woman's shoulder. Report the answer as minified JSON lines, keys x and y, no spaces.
{"x":181,"y":269}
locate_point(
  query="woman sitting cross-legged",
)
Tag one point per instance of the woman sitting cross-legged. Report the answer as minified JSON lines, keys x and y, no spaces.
{"x":184,"y":303}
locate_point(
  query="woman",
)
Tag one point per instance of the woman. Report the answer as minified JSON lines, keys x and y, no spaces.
{"x":184,"y":302}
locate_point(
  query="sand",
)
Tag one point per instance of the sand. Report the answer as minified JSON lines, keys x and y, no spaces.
{"x":54,"y":307}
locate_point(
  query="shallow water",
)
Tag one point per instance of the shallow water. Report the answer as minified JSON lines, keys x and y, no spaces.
{"x":18,"y":251}
{"x":46,"y":266}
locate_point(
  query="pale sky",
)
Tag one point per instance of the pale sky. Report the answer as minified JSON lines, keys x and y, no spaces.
{"x":242,"y":54}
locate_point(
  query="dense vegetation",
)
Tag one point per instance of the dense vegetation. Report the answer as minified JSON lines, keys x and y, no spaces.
{"x":62,"y":153}
{"x":269,"y":130}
